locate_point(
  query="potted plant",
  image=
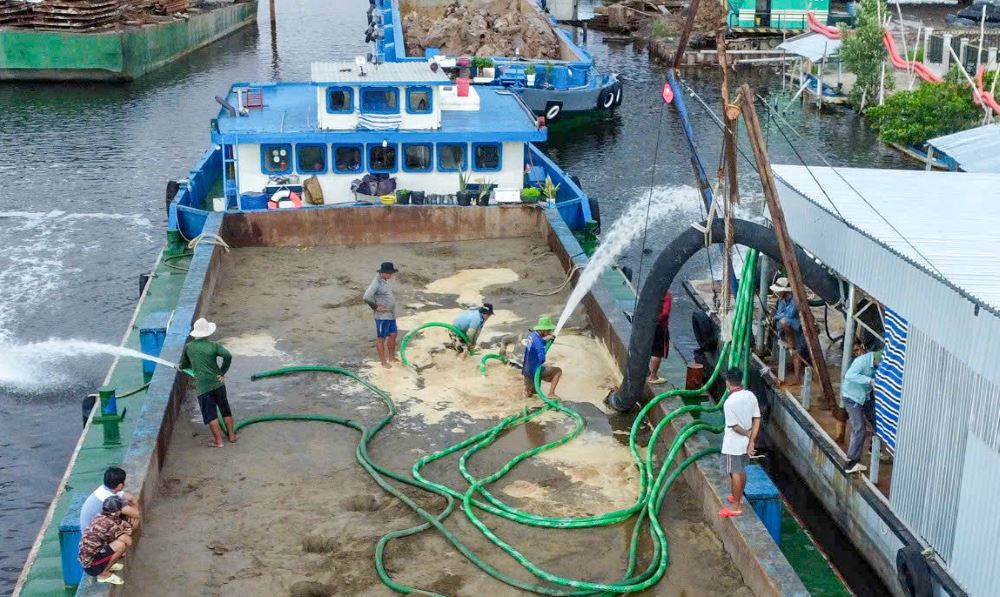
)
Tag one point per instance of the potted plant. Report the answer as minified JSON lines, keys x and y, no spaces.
{"x":464,"y":196}
{"x":485,"y":189}
{"x":549,"y":69}
{"x":529,"y":72}
{"x":530,"y":195}
{"x":484,"y":66}
{"x":403,"y":196}
{"x":549,"y":189}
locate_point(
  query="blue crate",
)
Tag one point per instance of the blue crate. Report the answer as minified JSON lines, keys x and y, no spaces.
{"x":765,"y":498}
{"x":69,"y":540}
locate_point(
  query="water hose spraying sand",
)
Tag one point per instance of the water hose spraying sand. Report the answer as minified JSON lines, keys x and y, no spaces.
{"x":653,"y":487}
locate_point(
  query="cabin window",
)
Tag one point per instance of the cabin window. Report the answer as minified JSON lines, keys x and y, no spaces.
{"x":381,"y":159}
{"x":417,"y":157}
{"x":418,"y":100}
{"x":347,"y":158}
{"x":339,"y":100}
{"x":311,"y":158}
{"x":380,"y":100}
{"x":486,"y":157}
{"x":451,"y":157}
{"x":276,"y":158}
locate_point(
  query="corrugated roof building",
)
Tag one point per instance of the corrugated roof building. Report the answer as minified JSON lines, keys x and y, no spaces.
{"x":926,"y":245}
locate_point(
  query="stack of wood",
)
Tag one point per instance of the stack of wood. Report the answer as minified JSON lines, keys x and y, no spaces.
{"x":75,"y":15}
{"x":14,"y":12}
{"x":172,"y":6}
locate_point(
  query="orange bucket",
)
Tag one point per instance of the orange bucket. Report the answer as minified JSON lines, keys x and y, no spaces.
{"x":463,"y":87}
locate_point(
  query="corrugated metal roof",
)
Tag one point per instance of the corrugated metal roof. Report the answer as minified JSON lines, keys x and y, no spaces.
{"x":975,"y":150}
{"x":810,"y":45}
{"x":944,"y":222}
{"x":388,"y":72}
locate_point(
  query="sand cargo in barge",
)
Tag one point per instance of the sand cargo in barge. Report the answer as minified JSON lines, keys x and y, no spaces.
{"x":506,"y":43}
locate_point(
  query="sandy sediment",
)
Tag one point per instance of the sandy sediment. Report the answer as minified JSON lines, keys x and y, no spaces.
{"x":288,"y":511}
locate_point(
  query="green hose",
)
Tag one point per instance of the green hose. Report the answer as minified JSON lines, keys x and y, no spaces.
{"x":433,"y":324}
{"x":476,"y":497}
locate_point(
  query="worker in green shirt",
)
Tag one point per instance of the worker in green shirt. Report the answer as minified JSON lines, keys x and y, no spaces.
{"x":202,"y":355}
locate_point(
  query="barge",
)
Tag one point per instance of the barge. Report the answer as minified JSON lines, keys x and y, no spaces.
{"x":117,"y":51}
{"x":553,"y":87}
{"x":282,"y":273}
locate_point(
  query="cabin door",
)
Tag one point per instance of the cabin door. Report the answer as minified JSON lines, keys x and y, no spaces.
{"x":763,"y":13}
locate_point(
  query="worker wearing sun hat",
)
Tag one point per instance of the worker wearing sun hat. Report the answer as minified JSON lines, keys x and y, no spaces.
{"x":534,"y":357}
{"x":202,"y":355}
{"x":380,"y":298}
{"x":788,"y":325}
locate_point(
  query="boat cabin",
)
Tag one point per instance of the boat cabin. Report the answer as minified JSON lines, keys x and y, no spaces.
{"x":398,"y":125}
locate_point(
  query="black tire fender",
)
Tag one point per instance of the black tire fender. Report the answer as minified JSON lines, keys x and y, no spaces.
{"x":553,"y":110}
{"x":618,"y":93}
{"x":913,"y":573}
{"x":606,"y":99}
{"x":172,"y":187}
{"x":595,"y":211}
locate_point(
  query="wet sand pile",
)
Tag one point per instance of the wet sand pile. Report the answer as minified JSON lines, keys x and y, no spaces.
{"x":288,"y":511}
{"x":476,"y":28}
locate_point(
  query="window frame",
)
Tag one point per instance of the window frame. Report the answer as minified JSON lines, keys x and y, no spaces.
{"x":361,"y":158}
{"x":430,"y":99}
{"x":368,"y":156}
{"x":499,"y":147}
{"x":298,"y":162}
{"x":350,"y":100}
{"x":265,"y":169}
{"x":430,"y":164}
{"x":361,"y":99}
{"x":465,"y":157}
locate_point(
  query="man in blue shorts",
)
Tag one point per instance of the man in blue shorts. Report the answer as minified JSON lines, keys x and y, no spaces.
{"x":379,"y":297}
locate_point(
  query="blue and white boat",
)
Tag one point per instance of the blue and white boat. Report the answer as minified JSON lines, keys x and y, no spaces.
{"x":550,"y":88}
{"x":365,"y":131}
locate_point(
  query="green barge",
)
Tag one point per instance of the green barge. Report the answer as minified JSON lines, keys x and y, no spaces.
{"x":124,"y":53}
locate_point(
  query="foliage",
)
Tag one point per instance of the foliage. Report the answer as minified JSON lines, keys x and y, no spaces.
{"x":916,"y":55}
{"x":482,"y":61}
{"x":402,"y":192}
{"x":530,"y":195}
{"x":549,"y":189}
{"x":864,"y":55}
{"x":463,"y":182}
{"x":662,"y":28}
{"x":930,"y":110}
{"x":530,"y":69}
{"x":485,"y":187}
{"x":549,"y":67}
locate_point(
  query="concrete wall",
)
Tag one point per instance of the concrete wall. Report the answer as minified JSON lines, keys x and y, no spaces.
{"x":764,"y":568}
{"x":337,"y":187}
{"x":119,"y":55}
{"x":378,"y":225}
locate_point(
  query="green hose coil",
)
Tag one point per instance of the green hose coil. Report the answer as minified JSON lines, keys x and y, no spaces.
{"x":654,"y":483}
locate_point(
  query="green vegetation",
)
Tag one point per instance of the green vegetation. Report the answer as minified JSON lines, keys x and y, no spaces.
{"x":915,"y":55}
{"x":482,"y":61}
{"x":864,"y":55}
{"x":930,"y":110}
{"x":530,"y":69}
{"x":662,"y":28}
{"x":530,"y":195}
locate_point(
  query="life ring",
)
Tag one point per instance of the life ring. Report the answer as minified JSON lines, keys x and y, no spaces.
{"x":913,"y":573}
{"x":618,"y":93}
{"x":284,"y":199}
{"x":606,"y":99}
{"x":552,"y":111}
{"x":705,"y":331}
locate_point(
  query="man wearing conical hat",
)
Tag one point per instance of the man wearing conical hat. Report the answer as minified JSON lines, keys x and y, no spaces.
{"x":534,"y":358}
{"x":202,"y":356}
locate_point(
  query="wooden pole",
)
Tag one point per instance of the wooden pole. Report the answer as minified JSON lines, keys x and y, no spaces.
{"x":785,"y":243}
{"x":685,"y":34}
{"x":729,"y":114}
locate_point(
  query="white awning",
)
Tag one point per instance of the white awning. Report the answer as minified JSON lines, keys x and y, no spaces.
{"x":812,"y":46}
{"x":974,"y":150}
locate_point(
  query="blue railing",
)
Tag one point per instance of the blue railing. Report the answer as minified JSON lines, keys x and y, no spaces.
{"x":571,"y":201}
{"x":188,"y":210}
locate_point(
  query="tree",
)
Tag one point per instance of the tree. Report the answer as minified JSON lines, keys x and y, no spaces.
{"x":864,"y":54}
{"x":930,"y":110}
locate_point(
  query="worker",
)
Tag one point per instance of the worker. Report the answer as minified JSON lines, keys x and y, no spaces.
{"x":789,"y":327}
{"x":379,"y":297}
{"x":739,"y":440}
{"x":471,"y":322}
{"x":114,"y":484}
{"x":534,"y":358}
{"x":661,"y":340}
{"x":855,"y":390}
{"x":105,"y":541}
{"x":202,"y":355}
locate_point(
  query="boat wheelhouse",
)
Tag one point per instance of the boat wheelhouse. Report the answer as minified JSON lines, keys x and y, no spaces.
{"x":549,"y":87}
{"x":359,"y":132}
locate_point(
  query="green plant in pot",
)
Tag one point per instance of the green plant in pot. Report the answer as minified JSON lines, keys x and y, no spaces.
{"x":485,"y":189}
{"x":464,"y":195}
{"x":530,"y":195}
{"x":529,"y":72}
{"x":403,"y":196}
{"x":550,"y":189}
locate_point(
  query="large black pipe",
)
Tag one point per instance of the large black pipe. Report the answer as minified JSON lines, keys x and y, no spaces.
{"x":666,"y":268}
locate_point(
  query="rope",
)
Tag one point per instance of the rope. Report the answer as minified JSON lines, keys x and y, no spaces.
{"x":649,"y":201}
{"x":557,"y":289}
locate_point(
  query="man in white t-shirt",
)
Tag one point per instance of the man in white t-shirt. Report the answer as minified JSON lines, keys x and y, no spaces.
{"x":114,"y":484}
{"x":739,"y":441}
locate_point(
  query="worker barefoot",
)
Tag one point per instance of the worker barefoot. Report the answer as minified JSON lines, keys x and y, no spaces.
{"x":739,"y":441}
{"x":380,"y":298}
{"x":202,"y":356}
{"x":534,"y":358}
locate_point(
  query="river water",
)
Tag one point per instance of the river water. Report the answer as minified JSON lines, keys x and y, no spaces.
{"x":84,"y":171}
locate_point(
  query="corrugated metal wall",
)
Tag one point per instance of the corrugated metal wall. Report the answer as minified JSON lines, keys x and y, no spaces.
{"x":943,"y":401}
{"x":977,"y":551}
